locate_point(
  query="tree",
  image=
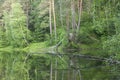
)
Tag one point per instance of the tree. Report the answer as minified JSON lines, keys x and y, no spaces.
{"x":17,"y":33}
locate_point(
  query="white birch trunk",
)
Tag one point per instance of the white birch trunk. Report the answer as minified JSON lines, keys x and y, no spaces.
{"x":50,"y":18}
{"x":53,"y":7}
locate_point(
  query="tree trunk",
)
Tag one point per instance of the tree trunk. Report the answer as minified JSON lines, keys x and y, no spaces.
{"x":53,"y":8}
{"x":61,"y":18}
{"x":50,"y":18}
{"x":67,"y":24}
{"x":51,"y":70}
{"x":56,"y":69}
{"x":73,"y":15}
{"x":79,"y":13}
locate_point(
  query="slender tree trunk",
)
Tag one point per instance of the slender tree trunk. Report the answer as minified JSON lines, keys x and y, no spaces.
{"x":67,"y":24}
{"x":56,"y":70}
{"x":61,"y":18}
{"x":79,"y":13}
{"x":53,"y":8}
{"x":50,"y":18}
{"x":63,"y":75}
{"x":73,"y":15}
{"x":50,"y":22}
{"x":80,"y":76}
{"x":51,"y":71}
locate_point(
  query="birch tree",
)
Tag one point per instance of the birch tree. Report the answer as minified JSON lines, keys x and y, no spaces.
{"x":54,"y":19}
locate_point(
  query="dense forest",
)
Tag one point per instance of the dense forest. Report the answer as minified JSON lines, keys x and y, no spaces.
{"x":59,"y":39}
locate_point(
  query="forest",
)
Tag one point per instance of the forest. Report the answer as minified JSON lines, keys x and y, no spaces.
{"x":59,"y":39}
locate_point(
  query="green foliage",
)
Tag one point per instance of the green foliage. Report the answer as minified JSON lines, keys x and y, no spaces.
{"x":2,"y":37}
{"x":17,"y":33}
{"x":37,"y":66}
{"x":13,"y":66}
{"x":38,"y":22}
{"x":112,"y":43}
{"x":25,"y":60}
